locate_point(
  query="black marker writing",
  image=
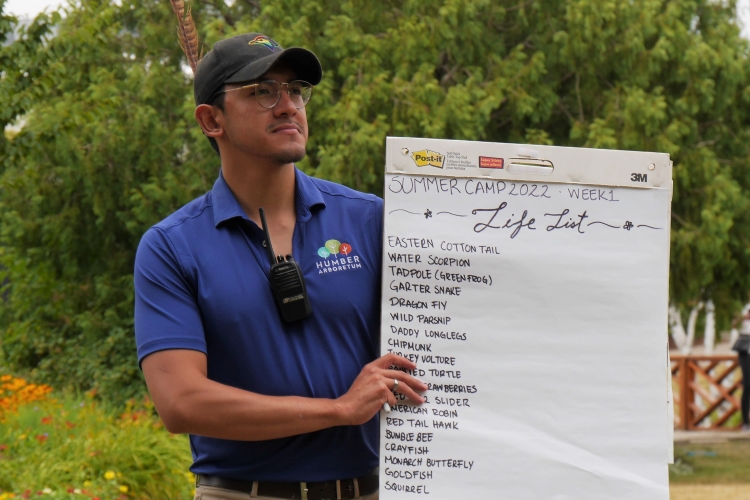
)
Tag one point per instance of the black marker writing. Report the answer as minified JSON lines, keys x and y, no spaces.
{"x":517,"y":225}
{"x":569,"y":224}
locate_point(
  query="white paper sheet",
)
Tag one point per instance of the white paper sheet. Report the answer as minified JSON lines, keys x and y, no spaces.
{"x":537,"y":311}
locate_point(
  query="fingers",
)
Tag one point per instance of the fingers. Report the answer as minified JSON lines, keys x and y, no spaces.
{"x":407,"y":386}
{"x":394,"y":389}
{"x":390,"y":359}
{"x":402,"y":383}
{"x":377,"y":384}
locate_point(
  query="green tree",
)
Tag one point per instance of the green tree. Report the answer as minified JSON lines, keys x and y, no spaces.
{"x":108,"y":145}
{"x":652,"y":75}
{"x":100,"y":157}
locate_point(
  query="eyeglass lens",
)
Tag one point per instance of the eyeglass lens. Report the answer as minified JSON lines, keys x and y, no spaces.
{"x":268,"y":93}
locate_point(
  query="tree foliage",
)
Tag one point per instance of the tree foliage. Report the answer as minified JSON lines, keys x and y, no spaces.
{"x":108,"y":145}
{"x":99,"y":159}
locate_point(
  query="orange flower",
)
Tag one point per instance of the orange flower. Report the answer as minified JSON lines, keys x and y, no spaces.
{"x":15,"y":392}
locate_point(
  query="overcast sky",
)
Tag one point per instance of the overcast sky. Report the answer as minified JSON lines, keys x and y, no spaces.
{"x":31,"y":8}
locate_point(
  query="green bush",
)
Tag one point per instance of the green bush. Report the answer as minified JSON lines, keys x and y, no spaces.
{"x":75,"y":446}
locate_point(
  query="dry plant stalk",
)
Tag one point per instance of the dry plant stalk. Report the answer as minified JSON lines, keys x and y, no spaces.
{"x":187,"y":33}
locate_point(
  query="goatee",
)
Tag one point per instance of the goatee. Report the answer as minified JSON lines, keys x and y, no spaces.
{"x":286,"y":157}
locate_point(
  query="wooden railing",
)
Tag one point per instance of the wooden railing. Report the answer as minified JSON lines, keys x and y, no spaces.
{"x":707,"y":392}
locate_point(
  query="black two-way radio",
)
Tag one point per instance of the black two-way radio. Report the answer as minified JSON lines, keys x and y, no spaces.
{"x":287,"y":282}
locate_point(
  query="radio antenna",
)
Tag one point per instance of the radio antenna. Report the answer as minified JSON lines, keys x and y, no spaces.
{"x":264,"y":226}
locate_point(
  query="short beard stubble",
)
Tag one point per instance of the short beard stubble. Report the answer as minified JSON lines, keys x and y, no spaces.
{"x":286,"y":157}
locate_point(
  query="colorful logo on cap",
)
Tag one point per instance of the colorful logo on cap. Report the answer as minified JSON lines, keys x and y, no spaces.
{"x":334,"y":247}
{"x":264,"y":41}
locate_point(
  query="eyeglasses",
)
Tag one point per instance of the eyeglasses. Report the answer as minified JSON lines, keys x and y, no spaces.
{"x":268,"y":93}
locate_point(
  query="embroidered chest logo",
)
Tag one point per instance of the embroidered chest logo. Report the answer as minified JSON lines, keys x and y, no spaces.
{"x":337,"y":256}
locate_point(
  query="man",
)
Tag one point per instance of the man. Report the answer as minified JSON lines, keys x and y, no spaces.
{"x":274,"y":409}
{"x":742,"y":346}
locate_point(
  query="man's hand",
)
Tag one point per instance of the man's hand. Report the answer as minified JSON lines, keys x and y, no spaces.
{"x":374,"y":385}
{"x":189,"y":402}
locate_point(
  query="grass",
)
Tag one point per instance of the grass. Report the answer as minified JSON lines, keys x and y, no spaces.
{"x":73,"y":447}
{"x":710,"y":492}
{"x":720,"y":463}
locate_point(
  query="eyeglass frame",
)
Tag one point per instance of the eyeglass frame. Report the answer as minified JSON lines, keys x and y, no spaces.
{"x":278,"y":96}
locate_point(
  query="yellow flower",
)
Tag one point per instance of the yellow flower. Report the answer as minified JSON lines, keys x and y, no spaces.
{"x":123,"y":488}
{"x":109,"y":475}
{"x":87,"y":483}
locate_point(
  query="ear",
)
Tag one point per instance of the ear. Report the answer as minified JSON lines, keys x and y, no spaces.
{"x":210,"y":118}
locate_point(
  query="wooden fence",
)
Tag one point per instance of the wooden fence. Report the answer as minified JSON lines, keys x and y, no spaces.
{"x":707,"y":392}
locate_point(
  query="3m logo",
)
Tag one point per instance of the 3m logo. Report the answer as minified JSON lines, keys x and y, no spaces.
{"x":426,"y":158}
{"x":635,"y":177}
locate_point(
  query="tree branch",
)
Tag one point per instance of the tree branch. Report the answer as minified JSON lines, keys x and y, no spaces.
{"x":706,"y":143}
{"x":578,"y":94}
{"x":520,"y":6}
{"x":565,"y":110}
{"x":679,"y":219}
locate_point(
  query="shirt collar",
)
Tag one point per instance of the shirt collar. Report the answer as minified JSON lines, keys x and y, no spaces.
{"x":225,"y":205}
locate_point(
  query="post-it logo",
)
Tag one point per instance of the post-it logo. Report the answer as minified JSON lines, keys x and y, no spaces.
{"x":426,"y":158}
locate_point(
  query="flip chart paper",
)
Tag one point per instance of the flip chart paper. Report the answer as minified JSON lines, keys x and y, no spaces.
{"x":534,"y":302}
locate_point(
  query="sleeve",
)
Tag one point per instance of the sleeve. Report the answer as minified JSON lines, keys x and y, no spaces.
{"x":166,"y":312}
{"x":377,"y":235}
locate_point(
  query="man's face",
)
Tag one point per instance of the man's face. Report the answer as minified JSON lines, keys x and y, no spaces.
{"x":278,"y":134}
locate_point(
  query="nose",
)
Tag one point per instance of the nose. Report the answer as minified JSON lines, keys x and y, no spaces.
{"x":285,"y":106}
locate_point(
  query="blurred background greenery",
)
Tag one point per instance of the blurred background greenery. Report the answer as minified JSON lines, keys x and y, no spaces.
{"x":99,"y":140}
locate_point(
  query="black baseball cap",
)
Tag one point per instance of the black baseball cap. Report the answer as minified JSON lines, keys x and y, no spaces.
{"x":245,"y":57}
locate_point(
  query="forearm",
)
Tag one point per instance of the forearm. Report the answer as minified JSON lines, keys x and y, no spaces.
{"x":216,"y":410}
{"x":189,"y":402}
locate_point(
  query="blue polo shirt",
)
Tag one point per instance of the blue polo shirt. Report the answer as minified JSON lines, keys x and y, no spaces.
{"x":201,"y":283}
